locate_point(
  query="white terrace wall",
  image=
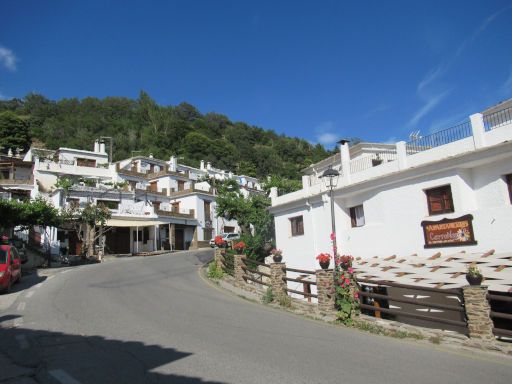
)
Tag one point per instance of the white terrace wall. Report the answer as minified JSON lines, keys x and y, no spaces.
{"x":395,"y":204}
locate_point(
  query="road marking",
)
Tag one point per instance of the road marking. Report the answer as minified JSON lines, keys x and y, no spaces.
{"x":50,"y":277}
{"x":18,"y":322}
{"x":63,"y":377}
{"x":21,"y":306}
{"x":38,"y":285}
{"x":22,"y":341}
{"x":29,"y":294}
{"x":66,"y":271}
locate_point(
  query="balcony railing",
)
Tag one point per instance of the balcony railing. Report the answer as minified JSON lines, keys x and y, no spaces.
{"x":498,"y":119}
{"x":186,"y":214}
{"x":436,"y":139}
{"x":373,"y":160}
{"x":16,"y":181}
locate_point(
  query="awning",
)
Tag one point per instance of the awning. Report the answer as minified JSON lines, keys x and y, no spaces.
{"x":133,"y":223}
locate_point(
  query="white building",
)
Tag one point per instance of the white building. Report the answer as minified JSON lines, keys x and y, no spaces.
{"x":447,"y":192}
{"x":155,"y":204}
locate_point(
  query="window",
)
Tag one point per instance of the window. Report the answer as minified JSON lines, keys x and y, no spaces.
{"x":508,"y":179}
{"x":297,"y":224}
{"x":357,"y":216}
{"x":439,"y":200}
{"x":108,"y":204}
{"x":86,"y":162}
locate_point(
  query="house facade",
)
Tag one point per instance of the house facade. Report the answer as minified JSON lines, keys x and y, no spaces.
{"x":446,"y":192}
{"x":155,"y":204}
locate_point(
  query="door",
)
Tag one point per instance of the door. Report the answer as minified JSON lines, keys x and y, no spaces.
{"x":118,"y":241}
{"x":181,"y":185}
{"x":15,"y":264}
{"x":179,"y":239}
{"x":153,"y":186}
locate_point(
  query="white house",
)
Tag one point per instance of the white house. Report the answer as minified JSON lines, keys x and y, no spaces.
{"x":449,"y":191}
{"x":155,"y":204}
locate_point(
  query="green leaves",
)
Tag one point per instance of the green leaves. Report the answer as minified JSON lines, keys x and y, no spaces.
{"x":35,"y":212}
{"x":143,"y":125}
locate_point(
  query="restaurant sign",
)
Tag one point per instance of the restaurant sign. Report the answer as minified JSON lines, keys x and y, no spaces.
{"x":449,"y":232}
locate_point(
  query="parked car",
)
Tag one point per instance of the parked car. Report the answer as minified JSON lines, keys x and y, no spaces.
{"x":227,"y":237}
{"x":20,"y":247}
{"x":10,"y":267}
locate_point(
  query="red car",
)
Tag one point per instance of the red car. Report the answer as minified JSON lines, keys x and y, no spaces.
{"x":10,"y":267}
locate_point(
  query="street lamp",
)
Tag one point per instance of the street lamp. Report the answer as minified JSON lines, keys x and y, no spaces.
{"x":330,"y":179}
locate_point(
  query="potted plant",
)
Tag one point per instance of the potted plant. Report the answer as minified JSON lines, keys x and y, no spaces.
{"x":277,"y":255}
{"x":345,"y":261}
{"x":474,"y":275}
{"x":239,"y":247}
{"x":221,"y":243}
{"x":324,"y":259}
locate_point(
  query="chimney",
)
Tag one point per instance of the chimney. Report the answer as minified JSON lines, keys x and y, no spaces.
{"x":102,"y":147}
{"x":173,"y":163}
{"x":96,"y":146}
{"x":9,"y":152}
{"x":150,"y":155}
{"x":208,"y":166}
{"x":230,"y":174}
{"x":201,"y":166}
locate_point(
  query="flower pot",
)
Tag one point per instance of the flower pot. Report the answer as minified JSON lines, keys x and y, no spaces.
{"x":325,"y":264}
{"x":277,"y":258}
{"x":474,"y":280}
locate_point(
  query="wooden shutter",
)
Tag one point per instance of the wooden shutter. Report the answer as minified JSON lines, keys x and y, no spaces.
{"x":509,"y":183}
{"x":353,"y":216}
{"x":440,"y":200}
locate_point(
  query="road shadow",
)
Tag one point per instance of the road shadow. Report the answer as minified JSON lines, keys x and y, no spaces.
{"x":28,"y":280}
{"x":90,"y":359}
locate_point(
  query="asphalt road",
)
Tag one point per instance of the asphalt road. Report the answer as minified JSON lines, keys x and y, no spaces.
{"x":154,"y":319}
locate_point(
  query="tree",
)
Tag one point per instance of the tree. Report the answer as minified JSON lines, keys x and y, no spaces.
{"x":283,"y":185}
{"x":249,"y":212}
{"x":88,"y":222}
{"x":14,"y":132}
{"x":38,"y":212}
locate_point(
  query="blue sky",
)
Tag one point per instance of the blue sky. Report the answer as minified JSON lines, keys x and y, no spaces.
{"x":320,"y":70}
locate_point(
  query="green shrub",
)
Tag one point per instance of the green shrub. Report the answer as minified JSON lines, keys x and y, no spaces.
{"x":268,"y":297}
{"x":215,"y":272}
{"x":284,"y":300}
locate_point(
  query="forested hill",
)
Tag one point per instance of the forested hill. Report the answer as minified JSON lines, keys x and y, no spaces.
{"x":143,"y":125}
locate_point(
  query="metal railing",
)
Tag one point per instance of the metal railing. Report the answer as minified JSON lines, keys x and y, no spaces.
{"x":306,"y":283}
{"x":498,"y":119}
{"x":436,"y":139}
{"x":438,"y":306}
{"x":501,"y":313}
{"x":368,"y":161}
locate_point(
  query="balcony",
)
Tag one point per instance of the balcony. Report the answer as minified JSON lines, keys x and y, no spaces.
{"x":16,"y":181}
{"x":184,"y":214}
{"x":71,"y":168}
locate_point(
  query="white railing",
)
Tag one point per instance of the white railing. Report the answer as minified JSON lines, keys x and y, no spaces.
{"x":372,"y":160}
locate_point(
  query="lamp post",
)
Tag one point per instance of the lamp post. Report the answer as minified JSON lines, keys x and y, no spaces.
{"x":330,"y":179}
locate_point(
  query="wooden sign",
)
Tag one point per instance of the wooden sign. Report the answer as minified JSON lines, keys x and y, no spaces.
{"x":449,"y":232}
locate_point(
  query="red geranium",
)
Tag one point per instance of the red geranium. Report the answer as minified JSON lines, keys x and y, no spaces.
{"x":240,"y":246}
{"x":323,"y":258}
{"x":219,"y":241}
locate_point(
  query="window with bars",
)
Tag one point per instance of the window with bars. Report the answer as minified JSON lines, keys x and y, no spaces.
{"x":297,"y":225}
{"x":357,"y":216}
{"x":439,"y":200}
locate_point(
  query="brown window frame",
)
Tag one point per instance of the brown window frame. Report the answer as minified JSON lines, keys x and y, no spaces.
{"x":440,"y":195}
{"x":297,"y":225}
{"x":508,"y":180}
{"x":353,"y":216}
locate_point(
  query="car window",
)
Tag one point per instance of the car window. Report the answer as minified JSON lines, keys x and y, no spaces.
{"x":14,"y":253}
{"x":3,"y":256}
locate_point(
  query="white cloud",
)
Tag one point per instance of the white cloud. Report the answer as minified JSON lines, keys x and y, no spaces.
{"x":327,"y":138}
{"x":442,"y":68}
{"x":429,"y":105}
{"x":507,"y":85}
{"x":8,"y":58}
{"x":325,"y":133}
{"x":432,"y":75}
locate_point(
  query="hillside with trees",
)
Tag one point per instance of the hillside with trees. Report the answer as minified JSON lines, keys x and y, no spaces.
{"x":141,"y":126}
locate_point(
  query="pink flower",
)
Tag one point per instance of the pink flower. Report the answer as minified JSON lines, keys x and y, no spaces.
{"x":347,"y":281}
{"x":350,"y":270}
{"x":333,"y":236}
{"x":356,"y":295}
